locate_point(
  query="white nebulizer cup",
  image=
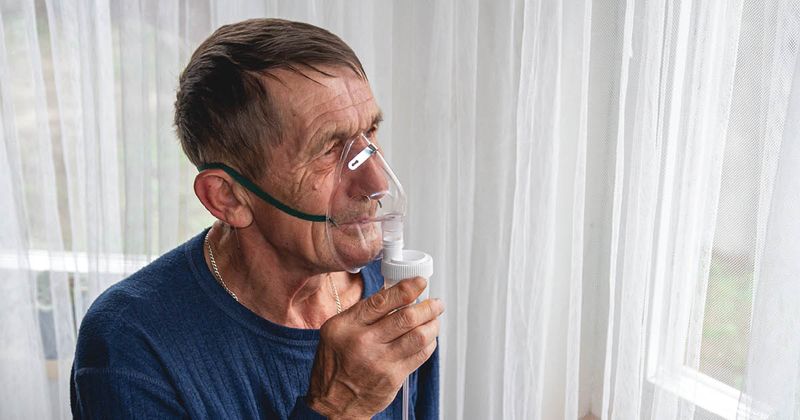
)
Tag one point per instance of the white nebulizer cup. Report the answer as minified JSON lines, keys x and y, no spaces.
{"x":365,"y":214}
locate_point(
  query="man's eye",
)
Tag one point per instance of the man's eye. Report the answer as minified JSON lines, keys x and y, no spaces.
{"x":332,"y":149}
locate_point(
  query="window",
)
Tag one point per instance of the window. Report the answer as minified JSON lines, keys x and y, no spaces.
{"x":706,"y":364}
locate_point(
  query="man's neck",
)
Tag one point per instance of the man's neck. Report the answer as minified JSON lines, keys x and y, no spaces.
{"x":274,"y":288}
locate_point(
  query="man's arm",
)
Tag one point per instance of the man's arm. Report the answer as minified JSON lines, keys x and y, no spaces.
{"x":117,"y":394}
{"x":114,"y":374}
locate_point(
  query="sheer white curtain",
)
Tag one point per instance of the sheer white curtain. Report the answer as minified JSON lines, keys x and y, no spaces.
{"x":609,"y":189}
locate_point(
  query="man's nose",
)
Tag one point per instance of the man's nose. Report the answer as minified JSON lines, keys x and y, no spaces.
{"x":369,"y":180}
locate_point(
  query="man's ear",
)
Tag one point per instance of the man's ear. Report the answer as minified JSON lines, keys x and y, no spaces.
{"x":222,"y":198}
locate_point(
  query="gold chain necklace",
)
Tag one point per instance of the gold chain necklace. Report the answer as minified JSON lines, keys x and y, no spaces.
{"x":218,"y":277}
{"x":336,"y":295}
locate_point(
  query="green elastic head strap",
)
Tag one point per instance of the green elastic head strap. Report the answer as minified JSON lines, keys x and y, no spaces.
{"x":261,"y":193}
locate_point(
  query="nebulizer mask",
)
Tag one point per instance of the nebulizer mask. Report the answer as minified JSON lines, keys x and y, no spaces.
{"x":367,"y":208}
{"x":366,"y":196}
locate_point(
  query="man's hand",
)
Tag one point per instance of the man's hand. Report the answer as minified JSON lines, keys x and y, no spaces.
{"x":366,"y":352}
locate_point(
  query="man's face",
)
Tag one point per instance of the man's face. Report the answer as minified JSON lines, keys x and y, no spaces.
{"x":317,"y":117}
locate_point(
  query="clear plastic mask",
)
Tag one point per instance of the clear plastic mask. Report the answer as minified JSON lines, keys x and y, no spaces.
{"x":367,"y":199}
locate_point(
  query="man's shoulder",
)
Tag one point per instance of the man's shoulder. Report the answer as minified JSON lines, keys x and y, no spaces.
{"x":133,"y":308}
{"x":155,"y":281}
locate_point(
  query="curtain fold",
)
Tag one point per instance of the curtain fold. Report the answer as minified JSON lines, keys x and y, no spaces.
{"x":608,"y":188}
{"x":772,"y":383}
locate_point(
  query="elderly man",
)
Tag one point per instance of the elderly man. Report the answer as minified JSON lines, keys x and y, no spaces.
{"x":258,"y":316}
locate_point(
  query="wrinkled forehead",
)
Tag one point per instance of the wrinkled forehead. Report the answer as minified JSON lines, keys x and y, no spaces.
{"x":318,"y":106}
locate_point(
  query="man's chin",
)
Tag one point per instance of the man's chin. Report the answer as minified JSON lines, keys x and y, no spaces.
{"x":353,"y":260}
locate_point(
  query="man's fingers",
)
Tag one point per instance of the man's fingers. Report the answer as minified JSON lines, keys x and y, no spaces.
{"x":415,"y":341}
{"x":395,"y":325}
{"x":414,"y":361}
{"x":384,"y":301}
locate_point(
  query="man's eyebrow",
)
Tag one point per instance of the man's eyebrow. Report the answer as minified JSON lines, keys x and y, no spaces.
{"x":344,"y":135}
{"x":378,"y":118}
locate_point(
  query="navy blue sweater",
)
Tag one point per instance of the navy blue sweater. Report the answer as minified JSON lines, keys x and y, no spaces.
{"x":169,"y":342}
